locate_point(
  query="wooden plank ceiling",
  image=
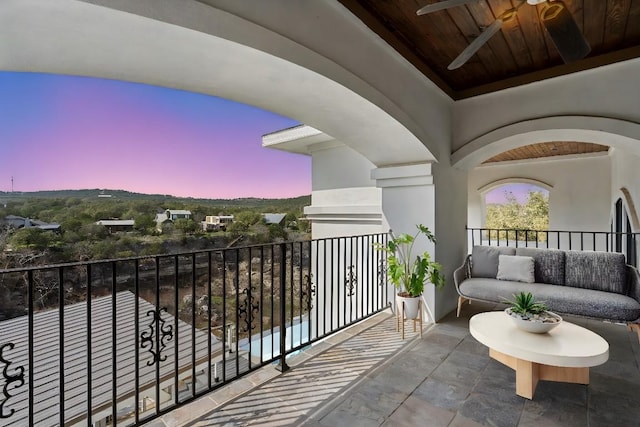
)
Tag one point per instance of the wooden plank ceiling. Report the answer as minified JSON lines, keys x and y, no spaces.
{"x":547,"y":149}
{"x":521,"y":52}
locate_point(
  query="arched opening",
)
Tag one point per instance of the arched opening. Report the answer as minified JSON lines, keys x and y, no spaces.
{"x":510,"y":206}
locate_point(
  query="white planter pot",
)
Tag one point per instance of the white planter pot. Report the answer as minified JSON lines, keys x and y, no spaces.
{"x":537,"y":326}
{"x":411,"y":306}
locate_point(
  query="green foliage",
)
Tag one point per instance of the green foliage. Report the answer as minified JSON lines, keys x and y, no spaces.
{"x":34,"y":238}
{"x":187,"y":226}
{"x":71,"y":224}
{"x":248,"y":218}
{"x":276,"y":232}
{"x":532,"y":215}
{"x":93,"y":231}
{"x":235,"y":229}
{"x":83,"y":240}
{"x":525,"y":303}
{"x":406,"y":272}
{"x":145,"y":224}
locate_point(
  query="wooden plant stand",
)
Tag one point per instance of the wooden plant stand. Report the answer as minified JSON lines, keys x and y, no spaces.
{"x":400,"y":318}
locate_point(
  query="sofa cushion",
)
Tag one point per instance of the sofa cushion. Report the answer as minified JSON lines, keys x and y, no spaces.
{"x":548,"y":264}
{"x":561,"y":299}
{"x":602,"y":271}
{"x":484,"y":260}
{"x":516,"y":268}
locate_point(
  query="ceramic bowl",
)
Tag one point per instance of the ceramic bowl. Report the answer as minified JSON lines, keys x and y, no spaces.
{"x":537,"y":326}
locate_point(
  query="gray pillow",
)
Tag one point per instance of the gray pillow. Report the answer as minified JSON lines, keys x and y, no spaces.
{"x":549,"y":264}
{"x":484,"y":260}
{"x":602,"y":271}
{"x":515,"y":268}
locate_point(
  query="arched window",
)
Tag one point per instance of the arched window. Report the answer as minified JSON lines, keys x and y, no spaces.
{"x":520,"y":206}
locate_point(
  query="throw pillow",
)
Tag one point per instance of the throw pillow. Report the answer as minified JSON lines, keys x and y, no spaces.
{"x":602,"y":271}
{"x":516,"y":268}
{"x":484,"y":260}
{"x":548,"y":264}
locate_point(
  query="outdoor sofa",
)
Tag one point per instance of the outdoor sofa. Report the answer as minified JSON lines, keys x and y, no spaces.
{"x":584,"y":283}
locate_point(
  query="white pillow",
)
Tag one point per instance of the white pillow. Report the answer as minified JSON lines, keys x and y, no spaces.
{"x":516,"y":268}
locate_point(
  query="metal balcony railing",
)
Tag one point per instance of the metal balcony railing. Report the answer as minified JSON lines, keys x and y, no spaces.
{"x":608,"y":241}
{"x":123,"y":341}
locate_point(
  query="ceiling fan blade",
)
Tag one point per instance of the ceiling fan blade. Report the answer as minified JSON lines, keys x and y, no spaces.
{"x":564,"y":32}
{"x":476,"y":44}
{"x":441,"y":5}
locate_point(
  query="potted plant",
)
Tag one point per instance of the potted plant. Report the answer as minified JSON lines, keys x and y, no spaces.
{"x":408,"y":273}
{"x":531,"y":315}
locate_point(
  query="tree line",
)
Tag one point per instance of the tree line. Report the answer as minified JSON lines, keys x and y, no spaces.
{"x":82,"y":239}
{"x":533,"y":214}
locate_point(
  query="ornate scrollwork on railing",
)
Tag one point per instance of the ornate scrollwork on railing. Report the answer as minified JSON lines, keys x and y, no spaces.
{"x":247,"y":311}
{"x":147,"y":338}
{"x":308,"y":291}
{"x":382,"y":269}
{"x":16,"y":377}
{"x":350,"y":280}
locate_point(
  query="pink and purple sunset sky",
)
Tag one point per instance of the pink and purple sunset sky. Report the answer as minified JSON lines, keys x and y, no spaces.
{"x":62,"y":132}
{"x":519,"y":190}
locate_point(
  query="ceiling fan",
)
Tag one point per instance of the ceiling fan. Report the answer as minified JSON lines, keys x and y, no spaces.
{"x":556,"y":18}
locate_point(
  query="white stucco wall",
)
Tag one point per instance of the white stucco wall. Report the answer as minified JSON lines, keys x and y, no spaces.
{"x":450,"y":220}
{"x":344,"y":197}
{"x":580,"y":197}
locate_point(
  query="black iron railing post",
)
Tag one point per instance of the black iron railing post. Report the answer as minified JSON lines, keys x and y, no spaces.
{"x":114,"y":347}
{"x":89,"y":348}
{"x":61,"y":341}
{"x":30,"y":296}
{"x":282,"y":366}
{"x":136,"y":337}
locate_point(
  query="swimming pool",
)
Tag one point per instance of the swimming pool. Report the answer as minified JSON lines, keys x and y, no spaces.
{"x":296,"y":334}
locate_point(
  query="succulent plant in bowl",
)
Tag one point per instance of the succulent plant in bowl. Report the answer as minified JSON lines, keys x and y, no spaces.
{"x":531,"y":315}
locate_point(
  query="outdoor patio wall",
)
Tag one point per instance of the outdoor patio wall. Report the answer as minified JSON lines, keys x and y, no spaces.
{"x":580,"y":198}
{"x":344,"y":198}
{"x":451,"y":207}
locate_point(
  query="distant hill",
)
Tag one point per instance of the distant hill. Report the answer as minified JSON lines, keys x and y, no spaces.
{"x":98,"y":193}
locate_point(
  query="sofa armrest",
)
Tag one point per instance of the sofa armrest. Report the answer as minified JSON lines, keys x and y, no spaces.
{"x":633,"y":282}
{"x":461,"y":273}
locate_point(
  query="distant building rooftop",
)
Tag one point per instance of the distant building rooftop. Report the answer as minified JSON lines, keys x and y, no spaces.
{"x":271,"y":218}
{"x":117,"y":222}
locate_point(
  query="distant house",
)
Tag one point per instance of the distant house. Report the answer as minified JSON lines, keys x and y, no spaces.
{"x":271,"y":218}
{"x":216,"y":222}
{"x":116,"y":225}
{"x":170,"y":215}
{"x":16,"y":222}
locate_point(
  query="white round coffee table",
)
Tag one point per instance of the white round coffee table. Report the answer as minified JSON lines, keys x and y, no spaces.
{"x":564,"y":354}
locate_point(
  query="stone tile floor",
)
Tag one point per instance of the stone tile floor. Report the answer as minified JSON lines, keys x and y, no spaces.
{"x":368,"y":376}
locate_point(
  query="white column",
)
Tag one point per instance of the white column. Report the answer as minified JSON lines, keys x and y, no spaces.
{"x":410,"y":197}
